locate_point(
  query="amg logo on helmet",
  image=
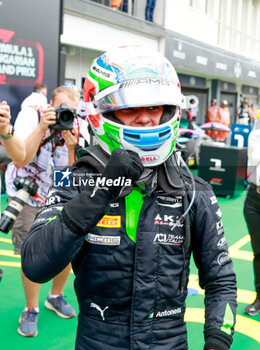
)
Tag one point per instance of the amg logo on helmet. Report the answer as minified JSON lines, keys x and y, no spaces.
{"x":143,"y":81}
{"x":149,"y":158}
{"x":101,"y":72}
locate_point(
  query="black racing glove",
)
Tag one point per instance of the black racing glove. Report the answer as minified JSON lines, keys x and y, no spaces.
{"x":84,"y":211}
{"x":124,"y":166}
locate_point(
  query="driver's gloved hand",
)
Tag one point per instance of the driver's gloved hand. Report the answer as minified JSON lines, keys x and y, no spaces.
{"x":83,"y":211}
{"x":122,"y":164}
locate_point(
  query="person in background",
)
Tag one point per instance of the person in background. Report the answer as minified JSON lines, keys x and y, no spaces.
{"x":37,"y":98}
{"x":116,"y":3}
{"x":12,"y":147}
{"x":252,"y":212}
{"x":33,"y":125}
{"x":131,"y":242}
{"x":212,"y":116}
{"x":125,"y":6}
{"x":253,"y":115}
{"x":149,"y":10}
{"x":13,"y":144}
{"x":223,"y":117}
{"x":243,"y":113}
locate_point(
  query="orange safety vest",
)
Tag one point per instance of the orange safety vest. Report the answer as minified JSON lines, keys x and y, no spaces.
{"x":224,"y":118}
{"x":211,"y":113}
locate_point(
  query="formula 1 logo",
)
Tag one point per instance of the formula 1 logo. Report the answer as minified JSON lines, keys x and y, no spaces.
{"x":110,"y":221}
{"x":216,"y":181}
{"x":61,"y":178}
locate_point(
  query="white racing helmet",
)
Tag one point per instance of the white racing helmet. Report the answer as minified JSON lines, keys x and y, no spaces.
{"x":134,"y":77}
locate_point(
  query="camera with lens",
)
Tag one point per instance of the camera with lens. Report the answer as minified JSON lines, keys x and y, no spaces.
{"x":26,"y":187}
{"x":64,"y":118}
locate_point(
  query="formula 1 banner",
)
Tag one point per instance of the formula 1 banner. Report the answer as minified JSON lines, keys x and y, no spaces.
{"x":21,"y":62}
{"x":29,"y":48}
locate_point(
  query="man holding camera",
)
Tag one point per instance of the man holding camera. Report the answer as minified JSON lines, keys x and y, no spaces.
{"x":130,"y":232}
{"x":12,"y":143}
{"x":46,"y":146}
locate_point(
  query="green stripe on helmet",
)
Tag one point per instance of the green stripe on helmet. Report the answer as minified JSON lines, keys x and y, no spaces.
{"x":111,"y":136}
{"x":175,"y":125}
{"x":102,"y":83}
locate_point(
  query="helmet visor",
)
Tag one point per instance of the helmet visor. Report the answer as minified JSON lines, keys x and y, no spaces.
{"x":132,"y":94}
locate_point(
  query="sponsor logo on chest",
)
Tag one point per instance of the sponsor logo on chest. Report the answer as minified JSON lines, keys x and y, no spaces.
{"x":170,"y":239}
{"x":167,"y":220}
{"x":103,"y":240}
{"x":110,"y":221}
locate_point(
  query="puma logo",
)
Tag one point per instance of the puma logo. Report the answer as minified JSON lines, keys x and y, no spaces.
{"x":99,"y":309}
{"x":96,"y":189}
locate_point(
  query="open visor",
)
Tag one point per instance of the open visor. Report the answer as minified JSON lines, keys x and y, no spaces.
{"x":122,"y":95}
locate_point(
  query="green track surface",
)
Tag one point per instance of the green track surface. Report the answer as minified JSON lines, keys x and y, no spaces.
{"x":59,"y":334}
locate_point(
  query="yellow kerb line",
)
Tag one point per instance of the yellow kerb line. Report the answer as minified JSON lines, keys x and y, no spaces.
{"x":10,"y":263}
{"x":235,"y":251}
{"x":6,"y":240}
{"x":9,"y":253}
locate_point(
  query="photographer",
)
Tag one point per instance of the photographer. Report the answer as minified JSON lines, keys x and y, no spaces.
{"x":12,"y":143}
{"x":13,"y":146}
{"x":46,"y":145}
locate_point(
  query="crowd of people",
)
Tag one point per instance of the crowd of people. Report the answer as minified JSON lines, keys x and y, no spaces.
{"x":130,"y":228}
{"x":245,"y":115}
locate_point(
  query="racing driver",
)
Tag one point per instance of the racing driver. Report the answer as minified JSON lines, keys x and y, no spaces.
{"x":130,"y":225}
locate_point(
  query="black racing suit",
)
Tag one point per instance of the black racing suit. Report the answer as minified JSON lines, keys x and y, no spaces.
{"x":131,"y":263}
{"x":252,"y":216}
